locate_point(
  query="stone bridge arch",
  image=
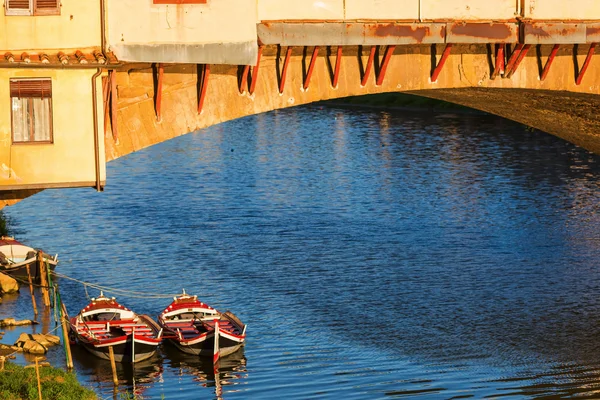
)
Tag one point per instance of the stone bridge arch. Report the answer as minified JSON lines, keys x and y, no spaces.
{"x":157,"y":102}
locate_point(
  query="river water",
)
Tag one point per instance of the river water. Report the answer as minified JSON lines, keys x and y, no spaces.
{"x":373,"y":254}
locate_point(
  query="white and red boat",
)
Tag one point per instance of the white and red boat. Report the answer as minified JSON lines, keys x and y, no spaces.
{"x":105,"y":323}
{"x":15,"y":257}
{"x":196,"y":328}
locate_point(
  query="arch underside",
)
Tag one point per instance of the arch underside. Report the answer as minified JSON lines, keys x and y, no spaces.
{"x":556,"y":105}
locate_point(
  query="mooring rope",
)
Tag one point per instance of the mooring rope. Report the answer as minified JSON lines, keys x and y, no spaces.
{"x":120,"y":292}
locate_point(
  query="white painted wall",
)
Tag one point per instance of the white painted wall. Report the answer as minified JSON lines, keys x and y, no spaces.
{"x":562,"y":9}
{"x":218,"y":21}
{"x":382,"y":9}
{"x":468,"y":9}
{"x":300,"y":9}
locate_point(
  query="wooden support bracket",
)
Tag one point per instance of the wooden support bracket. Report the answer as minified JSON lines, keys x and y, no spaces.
{"x":254,"y":74}
{"x":499,"y":68}
{"x":389,"y":50}
{"x":160,"y":69}
{"x":311,"y":67}
{"x":518,"y":60}
{"x":586,"y":64}
{"x":203,"y":85}
{"x":288,"y":54}
{"x":338,"y":65}
{"x":440,"y":65}
{"x":369,"y":66}
{"x":549,"y":62}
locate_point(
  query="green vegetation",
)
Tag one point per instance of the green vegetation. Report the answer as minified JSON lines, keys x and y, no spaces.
{"x":401,"y":100}
{"x":19,"y":383}
{"x":4,"y":225}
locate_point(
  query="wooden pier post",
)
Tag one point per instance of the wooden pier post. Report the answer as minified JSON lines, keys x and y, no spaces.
{"x":35,"y":311}
{"x":43,"y":279}
{"x":37,"y":373}
{"x":113,"y":365}
{"x":63,"y":318}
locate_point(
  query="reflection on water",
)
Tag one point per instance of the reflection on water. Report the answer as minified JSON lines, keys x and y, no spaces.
{"x":372,"y":254}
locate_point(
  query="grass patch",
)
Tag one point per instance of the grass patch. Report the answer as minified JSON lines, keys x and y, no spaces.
{"x":5,"y":223}
{"x":19,"y":383}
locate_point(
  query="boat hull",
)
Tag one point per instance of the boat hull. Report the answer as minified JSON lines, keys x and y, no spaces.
{"x":204,"y":346}
{"x":122,"y":350}
{"x":19,"y":270}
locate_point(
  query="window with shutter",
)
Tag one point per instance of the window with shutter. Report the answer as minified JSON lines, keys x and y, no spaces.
{"x":32,"y":7}
{"x":18,"y":7}
{"x":31,"y":101}
{"x":46,"y":7}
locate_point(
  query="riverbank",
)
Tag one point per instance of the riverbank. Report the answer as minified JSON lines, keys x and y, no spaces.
{"x":18,"y":382}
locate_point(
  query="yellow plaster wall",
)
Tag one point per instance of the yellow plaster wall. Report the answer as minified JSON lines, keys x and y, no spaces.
{"x":141,"y":22}
{"x":77,"y":26}
{"x":71,"y":157}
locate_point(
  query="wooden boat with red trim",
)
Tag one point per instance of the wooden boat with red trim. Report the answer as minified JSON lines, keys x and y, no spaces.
{"x":15,"y":256}
{"x":192,"y":327}
{"x":104,"y":323}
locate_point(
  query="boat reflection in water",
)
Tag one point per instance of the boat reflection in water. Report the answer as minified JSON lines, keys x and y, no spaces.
{"x":226,"y":373}
{"x":137,"y":378}
{"x":133,"y":378}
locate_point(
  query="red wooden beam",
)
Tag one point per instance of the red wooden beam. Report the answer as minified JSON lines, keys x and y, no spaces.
{"x":203,"y":86}
{"x":106,"y":98}
{"x":513,"y":59}
{"x":244,"y":79}
{"x":499,"y":68}
{"x":158,"y":100}
{"x":520,"y":58}
{"x":113,"y":103}
{"x":338,"y":64}
{"x":311,"y":67}
{"x":438,"y":68}
{"x":549,"y":62}
{"x":369,"y":66}
{"x":586,"y":64}
{"x":288,"y":54}
{"x":254,"y":75}
{"x":389,"y":50}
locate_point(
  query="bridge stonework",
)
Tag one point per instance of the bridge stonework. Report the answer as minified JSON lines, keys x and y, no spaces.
{"x":556,"y":105}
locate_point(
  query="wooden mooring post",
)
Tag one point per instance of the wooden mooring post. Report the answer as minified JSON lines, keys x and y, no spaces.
{"x":113,"y":365}
{"x":43,"y":278}
{"x":35,"y":311}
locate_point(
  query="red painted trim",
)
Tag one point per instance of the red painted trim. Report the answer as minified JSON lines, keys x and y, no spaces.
{"x":586,"y":63}
{"x":389,"y":50}
{"x":520,"y":58}
{"x":254,"y":75}
{"x":369,"y":66}
{"x":158,"y":105}
{"x":438,"y":68}
{"x":338,"y":65}
{"x":311,"y":67}
{"x":513,"y":59}
{"x":203,"y":87}
{"x":499,"y":68}
{"x":113,"y":104}
{"x":549,"y":62}
{"x":244,"y":79}
{"x":288,"y":54}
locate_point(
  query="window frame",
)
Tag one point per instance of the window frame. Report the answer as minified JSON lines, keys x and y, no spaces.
{"x":50,"y":113}
{"x":33,"y":9}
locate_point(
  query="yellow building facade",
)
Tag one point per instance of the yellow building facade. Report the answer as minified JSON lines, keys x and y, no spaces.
{"x":50,"y":63}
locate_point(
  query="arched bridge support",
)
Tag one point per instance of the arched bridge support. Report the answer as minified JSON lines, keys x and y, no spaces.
{"x":471,"y":75}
